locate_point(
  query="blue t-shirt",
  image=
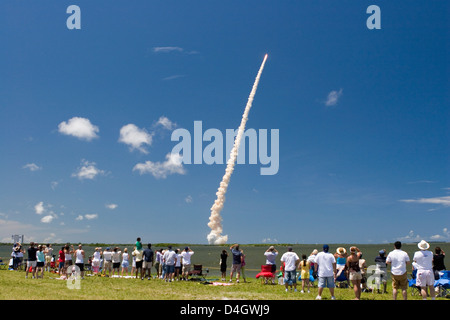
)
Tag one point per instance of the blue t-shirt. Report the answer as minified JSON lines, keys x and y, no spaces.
{"x":236,"y":256}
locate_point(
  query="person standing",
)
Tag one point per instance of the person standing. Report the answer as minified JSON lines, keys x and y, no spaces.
{"x":148,"y":262}
{"x":223,"y":264}
{"x":243,"y":263}
{"x":125,"y":262}
{"x":354,"y":270}
{"x":398,"y":259}
{"x":61,"y":261}
{"x":325,"y":266}
{"x":170,"y":259}
{"x":40,"y":261}
{"x":137,"y":254}
{"x":304,"y":267}
{"x":290,"y":259}
{"x":158,"y":263}
{"x":438,"y":262}
{"x":271,"y":255}
{"x":79,"y":259}
{"x":96,"y":260}
{"x":237,"y":263}
{"x":115,"y":260}
{"x":381,"y":271}
{"x":107,"y":261}
{"x":186,"y":262}
{"x":31,"y":263}
{"x":425,"y":275}
{"x":48,"y":256}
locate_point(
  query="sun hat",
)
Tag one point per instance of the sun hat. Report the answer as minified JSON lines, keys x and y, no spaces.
{"x":423,"y":245}
{"x":341,"y":250}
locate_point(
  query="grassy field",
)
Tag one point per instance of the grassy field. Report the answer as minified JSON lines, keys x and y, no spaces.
{"x":16,"y":287}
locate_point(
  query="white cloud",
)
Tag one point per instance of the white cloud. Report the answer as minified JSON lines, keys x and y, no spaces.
{"x":188,"y":199}
{"x":333,"y":97}
{"x":167,"y":49}
{"x":172,"y":165}
{"x":445,"y":201}
{"x":410,"y":237}
{"x":173,"y":77}
{"x":32,"y":167}
{"x":78,"y":127}
{"x":111,"y":206}
{"x":47,"y":219}
{"x":91,"y":216}
{"x":88,"y":170}
{"x":39,"y":208}
{"x":87,"y":217}
{"x":136,"y":138}
{"x":166,"y":123}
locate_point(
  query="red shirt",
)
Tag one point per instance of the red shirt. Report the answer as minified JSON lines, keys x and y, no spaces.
{"x":62,"y":256}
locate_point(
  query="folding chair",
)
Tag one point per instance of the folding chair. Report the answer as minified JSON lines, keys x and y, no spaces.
{"x":266,"y":274}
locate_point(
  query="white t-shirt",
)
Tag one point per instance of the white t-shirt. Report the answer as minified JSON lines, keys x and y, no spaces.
{"x":187,"y":256}
{"x":423,"y":259}
{"x":107,"y":255}
{"x":325,"y":261}
{"x":270,"y":257}
{"x":289,"y":258}
{"x":116,"y":256}
{"x":398,"y":259}
{"x":169,"y":257}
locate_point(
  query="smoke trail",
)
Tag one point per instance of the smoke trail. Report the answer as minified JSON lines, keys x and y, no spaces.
{"x":215,"y":220}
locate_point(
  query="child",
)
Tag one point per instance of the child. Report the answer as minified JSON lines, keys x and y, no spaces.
{"x":305,"y":274}
{"x":125,"y":262}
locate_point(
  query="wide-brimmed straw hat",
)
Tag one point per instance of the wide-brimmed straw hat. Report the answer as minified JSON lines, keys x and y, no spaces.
{"x":423,"y":245}
{"x":341,"y":250}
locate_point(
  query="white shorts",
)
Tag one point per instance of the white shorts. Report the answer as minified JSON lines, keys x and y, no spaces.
{"x":425,"y":278}
{"x":31,"y":264}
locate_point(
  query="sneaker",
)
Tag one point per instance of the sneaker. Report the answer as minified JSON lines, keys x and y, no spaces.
{"x":237,"y":281}
{"x":309,"y":291}
{"x":333,"y":298}
{"x":318,"y":298}
{"x":295,"y":290}
{"x":302,"y":291}
{"x":287,"y":290}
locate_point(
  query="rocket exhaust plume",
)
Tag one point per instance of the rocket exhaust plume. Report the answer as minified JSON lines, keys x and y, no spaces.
{"x":215,"y":220}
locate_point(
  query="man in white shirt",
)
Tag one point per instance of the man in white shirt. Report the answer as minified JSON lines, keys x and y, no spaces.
{"x":170,"y":258}
{"x":398,"y":259}
{"x":186,"y":261}
{"x":107,"y":262}
{"x":425,"y":274}
{"x":325,"y":266}
{"x":290,"y":260}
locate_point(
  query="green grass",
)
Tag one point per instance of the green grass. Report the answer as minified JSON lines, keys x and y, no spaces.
{"x":16,"y":287}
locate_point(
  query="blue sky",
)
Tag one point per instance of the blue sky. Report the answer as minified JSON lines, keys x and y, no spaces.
{"x":363,"y":117}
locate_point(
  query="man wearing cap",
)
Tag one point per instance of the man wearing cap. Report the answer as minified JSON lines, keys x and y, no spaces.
{"x":186,"y":263}
{"x":271,"y":255}
{"x":398,"y":259}
{"x":381,"y":270}
{"x":425,"y":276}
{"x":325,"y":266}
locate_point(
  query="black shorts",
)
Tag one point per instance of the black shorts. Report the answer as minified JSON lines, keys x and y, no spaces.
{"x":40,"y":264}
{"x":80,"y":265}
{"x":138,"y":264}
{"x":116,"y":265}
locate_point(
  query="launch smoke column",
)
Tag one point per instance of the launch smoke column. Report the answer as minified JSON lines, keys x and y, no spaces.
{"x":215,"y":220}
